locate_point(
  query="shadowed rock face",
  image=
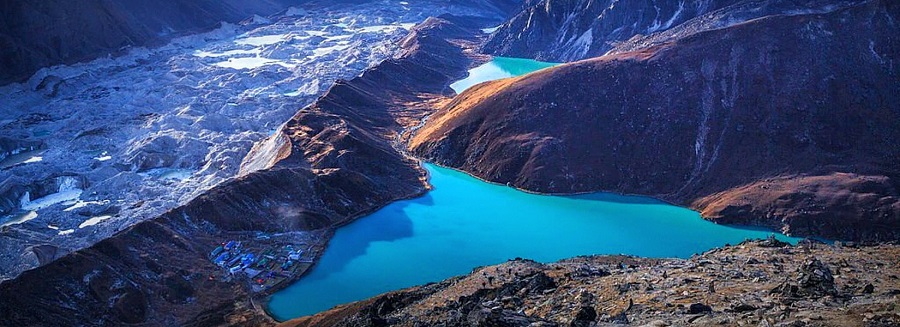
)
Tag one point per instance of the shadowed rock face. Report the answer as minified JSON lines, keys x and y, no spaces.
{"x":332,"y":162}
{"x":44,"y":33}
{"x":568,"y":30}
{"x":808,"y":103}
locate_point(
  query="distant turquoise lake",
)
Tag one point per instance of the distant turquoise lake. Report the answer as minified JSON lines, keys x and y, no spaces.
{"x":499,"y":67}
{"x":465,"y":223}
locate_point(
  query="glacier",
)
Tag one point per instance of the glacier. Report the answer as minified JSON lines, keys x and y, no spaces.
{"x":144,"y":132}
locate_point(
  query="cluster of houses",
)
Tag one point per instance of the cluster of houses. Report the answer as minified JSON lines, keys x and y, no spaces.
{"x":262,"y":268}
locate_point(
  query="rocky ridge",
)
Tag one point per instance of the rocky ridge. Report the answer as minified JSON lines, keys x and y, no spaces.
{"x":569,"y":30}
{"x":755,"y":283}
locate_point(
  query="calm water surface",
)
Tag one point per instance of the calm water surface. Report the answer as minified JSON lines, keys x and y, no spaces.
{"x":499,"y":67}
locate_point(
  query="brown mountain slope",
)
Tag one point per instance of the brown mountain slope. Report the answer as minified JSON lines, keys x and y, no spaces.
{"x":790,"y":122}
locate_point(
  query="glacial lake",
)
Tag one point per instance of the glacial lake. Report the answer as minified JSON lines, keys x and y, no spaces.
{"x":465,"y":223}
{"x":498,"y":68}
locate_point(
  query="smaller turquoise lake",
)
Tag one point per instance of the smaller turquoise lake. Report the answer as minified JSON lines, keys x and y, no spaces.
{"x":498,"y":68}
{"x":465,"y":223}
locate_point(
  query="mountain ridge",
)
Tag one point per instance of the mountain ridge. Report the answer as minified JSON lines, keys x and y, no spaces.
{"x":570,"y":30}
{"x":712,"y":112}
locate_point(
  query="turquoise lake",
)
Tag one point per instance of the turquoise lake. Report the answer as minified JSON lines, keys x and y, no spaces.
{"x":499,"y":67}
{"x":465,"y":223}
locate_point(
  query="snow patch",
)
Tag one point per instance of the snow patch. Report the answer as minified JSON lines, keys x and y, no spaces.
{"x":324,"y":51}
{"x":338,"y":37}
{"x":81,"y":204}
{"x":93,"y":221}
{"x":875,"y":53}
{"x":262,"y":40}
{"x":380,"y":28}
{"x":20,"y":219}
{"x":674,"y":16}
{"x":21,"y":156}
{"x":179,"y":174}
{"x":51,"y":199}
{"x":229,"y":53}
{"x":252,"y":63}
{"x":490,"y":30}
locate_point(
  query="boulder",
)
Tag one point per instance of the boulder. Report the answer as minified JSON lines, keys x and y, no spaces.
{"x":698,"y":308}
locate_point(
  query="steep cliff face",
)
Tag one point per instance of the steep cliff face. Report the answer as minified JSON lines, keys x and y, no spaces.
{"x":568,"y":30}
{"x":811,"y":96}
{"x":332,"y":162}
{"x":44,"y":33}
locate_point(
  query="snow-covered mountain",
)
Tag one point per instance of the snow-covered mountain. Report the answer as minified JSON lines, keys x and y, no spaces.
{"x":569,"y":30}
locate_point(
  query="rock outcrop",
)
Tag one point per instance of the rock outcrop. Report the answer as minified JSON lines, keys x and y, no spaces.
{"x":787,"y":121}
{"x":732,"y":286}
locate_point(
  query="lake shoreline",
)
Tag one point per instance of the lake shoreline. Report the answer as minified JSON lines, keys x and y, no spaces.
{"x":437,"y":236}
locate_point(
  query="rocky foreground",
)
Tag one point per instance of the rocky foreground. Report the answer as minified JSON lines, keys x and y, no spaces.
{"x":755,"y":283}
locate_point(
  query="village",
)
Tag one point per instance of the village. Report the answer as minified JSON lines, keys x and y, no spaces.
{"x":261,"y":263}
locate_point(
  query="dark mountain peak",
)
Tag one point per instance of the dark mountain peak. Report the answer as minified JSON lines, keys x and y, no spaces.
{"x":569,"y":30}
